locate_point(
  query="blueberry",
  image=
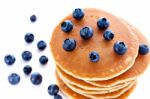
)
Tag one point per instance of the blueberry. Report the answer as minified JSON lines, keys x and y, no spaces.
{"x":86,"y":32}
{"x":36,"y":78}
{"x":94,"y":56}
{"x":26,"y":55}
{"x":108,"y":35}
{"x":14,"y":78}
{"x":103,"y":23}
{"x":33,"y":18}
{"x":41,"y":45}
{"x":78,"y":14}
{"x":29,"y":37}
{"x":143,"y":49}
{"x":58,"y":96}
{"x":27,"y":69}
{"x":9,"y":59}
{"x":120,"y":47}
{"x":67,"y":26}
{"x":69,"y":44}
{"x":43,"y":60}
{"x":53,"y":89}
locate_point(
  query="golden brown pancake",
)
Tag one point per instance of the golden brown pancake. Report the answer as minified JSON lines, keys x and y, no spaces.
{"x":82,"y":84}
{"x":73,"y":95}
{"x":77,"y":63}
{"x":136,"y":70}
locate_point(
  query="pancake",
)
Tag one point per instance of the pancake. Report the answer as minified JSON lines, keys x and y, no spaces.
{"x":100,"y":93}
{"x":77,"y":63}
{"x":73,"y":95}
{"x":140,"y":65}
{"x":82,"y":84}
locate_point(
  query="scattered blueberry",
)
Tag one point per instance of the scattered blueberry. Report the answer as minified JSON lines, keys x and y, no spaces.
{"x":41,"y":45}
{"x":120,"y":47}
{"x":67,"y":26}
{"x":9,"y":59}
{"x":143,"y":49}
{"x":33,"y":18}
{"x":26,"y":55}
{"x":29,"y":37}
{"x":43,"y":60}
{"x":103,"y":23}
{"x":36,"y":78}
{"x":53,"y":89}
{"x":14,"y":79}
{"x":108,"y":35}
{"x":86,"y":32}
{"x":78,"y":14}
{"x":27,"y":69}
{"x":94,"y":56}
{"x":58,"y":96}
{"x":69,"y":44}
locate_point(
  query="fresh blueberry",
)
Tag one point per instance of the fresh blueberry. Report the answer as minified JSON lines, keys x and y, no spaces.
{"x":94,"y":56}
{"x":120,"y":47}
{"x":78,"y":14}
{"x":14,"y":78}
{"x":33,"y":18}
{"x":103,"y":23}
{"x":36,"y":78}
{"x":53,"y":89}
{"x":43,"y":60}
{"x":69,"y":44}
{"x":41,"y":45}
{"x":58,"y":96}
{"x":29,"y":37}
{"x":86,"y":32}
{"x":108,"y":35}
{"x":143,"y":49}
{"x":27,"y":69}
{"x":26,"y":55}
{"x":9,"y":59}
{"x":67,"y":26}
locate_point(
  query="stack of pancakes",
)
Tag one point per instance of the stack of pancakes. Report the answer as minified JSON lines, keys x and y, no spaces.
{"x":113,"y":76}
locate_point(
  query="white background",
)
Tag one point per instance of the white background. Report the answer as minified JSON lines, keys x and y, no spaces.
{"x":15,"y":23}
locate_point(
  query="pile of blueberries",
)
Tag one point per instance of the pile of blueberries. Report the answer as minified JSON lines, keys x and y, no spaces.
{"x":36,"y":78}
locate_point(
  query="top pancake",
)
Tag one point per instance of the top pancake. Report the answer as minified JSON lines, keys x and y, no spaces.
{"x":77,"y":62}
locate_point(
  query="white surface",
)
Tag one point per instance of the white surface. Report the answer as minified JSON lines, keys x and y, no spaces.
{"x":14,"y":24}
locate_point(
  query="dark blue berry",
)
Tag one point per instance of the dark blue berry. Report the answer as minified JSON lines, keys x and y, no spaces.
{"x":9,"y":59}
{"x":67,"y":26}
{"x":78,"y":14}
{"x":103,"y":23}
{"x":29,"y":37}
{"x":120,"y":47}
{"x":27,"y":69}
{"x":94,"y":56}
{"x":14,"y":78}
{"x":58,"y":96}
{"x":41,"y":45}
{"x":53,"y":89}
{"x":143,"y":49}
{"x":36,"y":78}
{"x":86,"y":32}
{"x":26,"y":55}
{"x":43,"y":60}
{"x":69,"y":44}
{"x":108,"y":35}
{"x":33,"y":18}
